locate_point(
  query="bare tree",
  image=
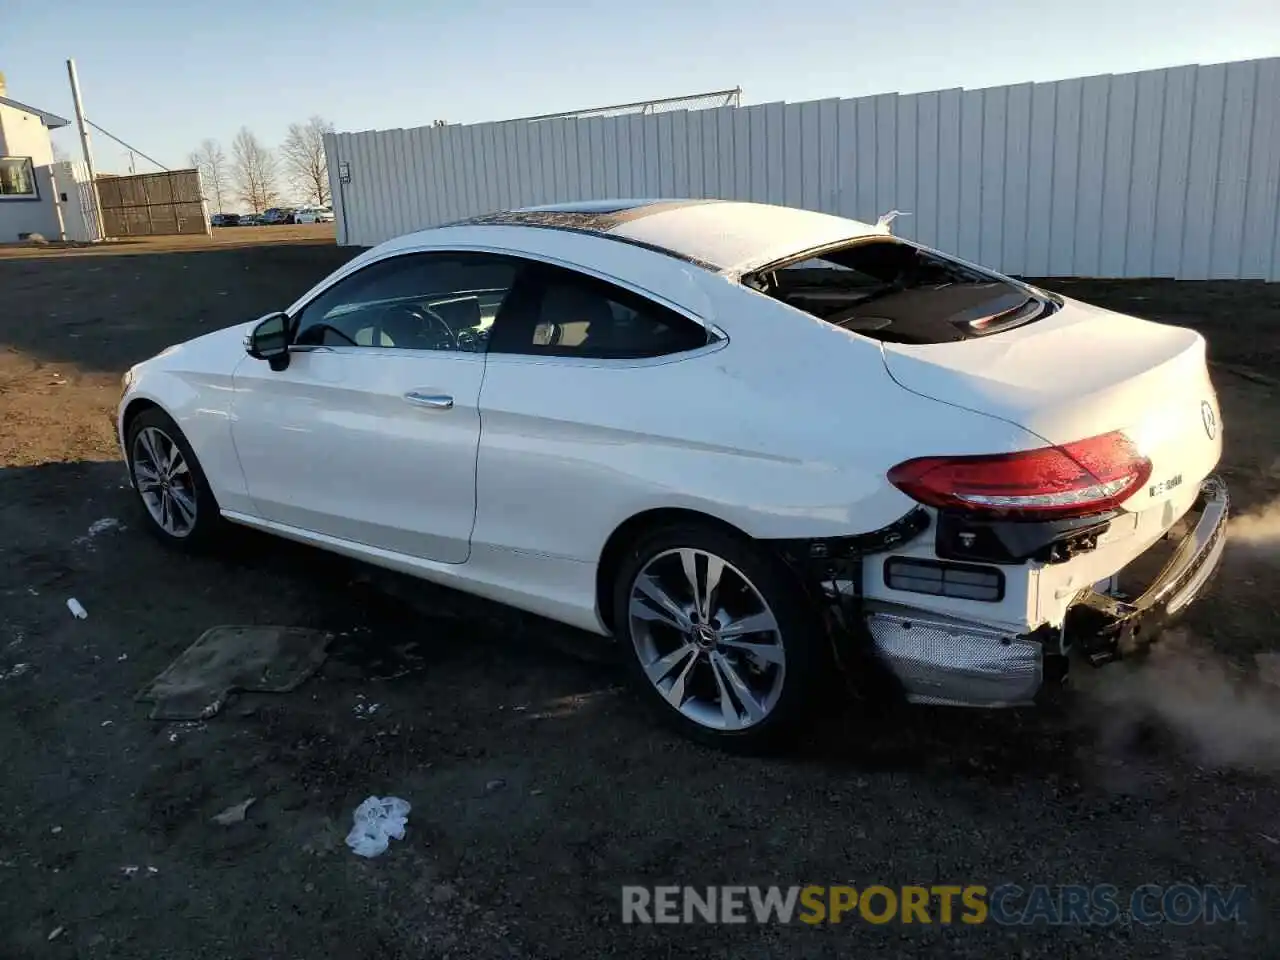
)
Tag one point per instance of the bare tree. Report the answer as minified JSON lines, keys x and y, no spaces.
{"x":304,"y":159}
{"x":212,"y":164}
{"x":59,"y":152}
{"x":254,"y":171}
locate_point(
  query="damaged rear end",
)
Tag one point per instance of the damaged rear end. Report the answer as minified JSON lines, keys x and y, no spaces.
{"x":1084,"y":546}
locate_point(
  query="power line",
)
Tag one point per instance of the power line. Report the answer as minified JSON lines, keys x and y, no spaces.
{"x":125,"y":145}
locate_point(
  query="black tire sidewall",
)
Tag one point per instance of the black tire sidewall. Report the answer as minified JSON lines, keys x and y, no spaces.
{"x":208,"y":514}
{"x":808,"y":654}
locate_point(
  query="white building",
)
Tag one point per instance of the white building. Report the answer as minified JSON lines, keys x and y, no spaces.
{"x":33,"y":189}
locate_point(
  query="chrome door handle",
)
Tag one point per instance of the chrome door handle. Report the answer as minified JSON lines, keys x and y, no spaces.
{"x":435,"y":401}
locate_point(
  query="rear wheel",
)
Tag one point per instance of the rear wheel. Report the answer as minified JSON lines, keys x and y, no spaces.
{"x":176,"y":500}
{"x":717,"y":636}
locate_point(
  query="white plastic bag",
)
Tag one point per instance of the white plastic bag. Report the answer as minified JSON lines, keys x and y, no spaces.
{"x":375,"y":822}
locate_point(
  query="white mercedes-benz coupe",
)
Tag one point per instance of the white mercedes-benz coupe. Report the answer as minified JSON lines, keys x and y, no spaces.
{"x":757,"y":446}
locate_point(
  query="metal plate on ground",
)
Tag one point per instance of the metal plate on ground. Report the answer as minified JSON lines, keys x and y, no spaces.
{"x":230,"y":658}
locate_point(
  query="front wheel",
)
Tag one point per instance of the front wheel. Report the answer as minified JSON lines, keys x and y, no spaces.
{"x":718,"y":638}
{"x":177,"y":503}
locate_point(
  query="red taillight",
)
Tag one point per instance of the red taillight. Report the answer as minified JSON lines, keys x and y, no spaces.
{"x":1073,"y":480}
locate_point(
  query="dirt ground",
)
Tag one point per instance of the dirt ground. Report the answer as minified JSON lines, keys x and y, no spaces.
{"x":539,"y":785}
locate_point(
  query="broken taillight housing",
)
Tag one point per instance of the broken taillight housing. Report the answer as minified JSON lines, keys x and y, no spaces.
{"x":1072,"y":480}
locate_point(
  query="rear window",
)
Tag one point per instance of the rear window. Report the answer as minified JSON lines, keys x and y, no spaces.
{"x":897,"y":292}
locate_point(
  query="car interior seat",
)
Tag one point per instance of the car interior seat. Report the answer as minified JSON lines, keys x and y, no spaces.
{"x":570,"y":305}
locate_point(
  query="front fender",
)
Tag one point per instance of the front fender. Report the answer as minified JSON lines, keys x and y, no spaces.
{"x":200,"y":404}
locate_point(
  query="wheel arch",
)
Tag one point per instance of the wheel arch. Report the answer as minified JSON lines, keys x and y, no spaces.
{"x":134,"y":407}
{"x":627,"y":532}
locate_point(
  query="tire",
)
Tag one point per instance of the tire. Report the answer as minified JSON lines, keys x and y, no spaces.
{"x":193,"y":511}
{"x":784,"y":670}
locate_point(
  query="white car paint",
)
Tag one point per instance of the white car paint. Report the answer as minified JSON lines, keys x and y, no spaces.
{"x":313,"y":215}
{"x":784,"y":428}
{"x":399,"y":476}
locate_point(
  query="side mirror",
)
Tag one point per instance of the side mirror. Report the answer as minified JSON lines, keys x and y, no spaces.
{"x":269,"y":341}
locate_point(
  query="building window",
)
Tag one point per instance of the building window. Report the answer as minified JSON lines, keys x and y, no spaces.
{"x":18,"y":179}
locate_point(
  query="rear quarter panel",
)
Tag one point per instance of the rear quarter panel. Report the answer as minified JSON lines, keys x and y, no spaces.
{"x":786,"y":430}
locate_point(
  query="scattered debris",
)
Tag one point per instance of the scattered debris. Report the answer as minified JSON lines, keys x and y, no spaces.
{"x":493,"y":785}
{"x":365,"y":710}
{"x":123,"y":657}
{"x":128,"y":871}
{"x":106,"y":723}
{"x":189,"y":726}
{"x":55,"y":830}
{"x":97,"y":527}
{"x":230,"y":658}
{"x":17,"y":670}
{"x":57,"y":932}
{"x":1269,"y":839}
{"x":360,"y":652}
{"x":375,"y":822}
{"x":235,"y":813}
{"x":77,"y":611}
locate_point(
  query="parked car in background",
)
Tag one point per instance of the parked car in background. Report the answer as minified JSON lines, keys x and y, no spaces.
{"x":313,"y":215}
{"x":225,"y":220}
{"x":757,"y":446}
{"x":250,"y":219}
{"x":279,"y":215}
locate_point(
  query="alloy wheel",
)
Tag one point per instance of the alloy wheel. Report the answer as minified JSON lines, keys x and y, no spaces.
{"x":707,"y":639}
{"x":164,"y":482}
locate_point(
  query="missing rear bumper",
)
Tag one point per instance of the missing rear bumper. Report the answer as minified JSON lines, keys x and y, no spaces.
{"x":1103,"y":629}
{"x":949,"y":662}
{"x":933,"y":659}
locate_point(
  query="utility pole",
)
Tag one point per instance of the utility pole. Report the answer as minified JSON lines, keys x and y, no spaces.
{"x":57,"y":204}
{"x":84,"y":145}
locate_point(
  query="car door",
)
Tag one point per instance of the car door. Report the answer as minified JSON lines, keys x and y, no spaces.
{"x":586,"y":395}
{"x":370,"y":434}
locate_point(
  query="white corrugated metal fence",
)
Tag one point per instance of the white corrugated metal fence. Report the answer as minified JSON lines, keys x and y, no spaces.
{"x":1172,"y":173}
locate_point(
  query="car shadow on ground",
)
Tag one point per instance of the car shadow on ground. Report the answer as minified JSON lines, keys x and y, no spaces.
{"x":527,"y":766}
{"x":390,"y":628}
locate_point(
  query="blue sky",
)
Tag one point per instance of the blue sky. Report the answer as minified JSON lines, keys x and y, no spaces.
{"x":163,"y":74}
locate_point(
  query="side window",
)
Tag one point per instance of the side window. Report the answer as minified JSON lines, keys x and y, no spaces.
{"x":419,"y":301}
{"x":561,"y":313}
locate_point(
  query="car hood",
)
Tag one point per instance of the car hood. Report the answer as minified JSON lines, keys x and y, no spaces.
{"x":211,"y":351}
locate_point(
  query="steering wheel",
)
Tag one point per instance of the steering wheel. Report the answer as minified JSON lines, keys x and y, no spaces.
{"x":470,"y":340}
{"x":424,"y":317}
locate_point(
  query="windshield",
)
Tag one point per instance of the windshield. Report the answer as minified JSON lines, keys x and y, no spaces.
{"x":890,"y":290}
